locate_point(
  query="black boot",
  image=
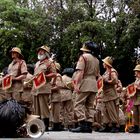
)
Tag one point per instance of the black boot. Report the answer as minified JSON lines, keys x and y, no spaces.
{"x":114,"y":129}
{"x":62,"y":127}
{"x":46,"y":122}
{"x":122,"y":128}
{"x":57,"y":127}
{"x":89,"y":127}
{"x":105,"y":128}
{"x":76,"y":124}
{"x":70,"y":127}
{"x":135,"y":129}
{"x":83,"y":128}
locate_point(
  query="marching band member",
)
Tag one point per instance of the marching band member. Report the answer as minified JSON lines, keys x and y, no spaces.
{"x":98,"y":114}
{"x":41,"y":94}
{"x":56,"y":100}
{"x":27,"y":88}
{"x":2,"y":93}
{"x":66,"y":98}
{"x":110,"y":98}
{"x":18,"y":69}
{"x":136,"y":101}
{"x":87,"y":70}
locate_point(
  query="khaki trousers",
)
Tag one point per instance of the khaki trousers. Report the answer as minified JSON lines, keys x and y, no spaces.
{"x":15,"y":91}
{"x":136,"y":114}
{"x":111,"y":112}
{"x":98,"y":116}
{"x":27,"y":98}
{"x":41,"y":105}
{"x":67,"y":112}
{"x":83,"y":106}
{"x":55,"y":110}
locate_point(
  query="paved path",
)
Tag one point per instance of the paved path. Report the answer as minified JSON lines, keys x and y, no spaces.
{"x":87,"y":136}
{"x":66,"y":135}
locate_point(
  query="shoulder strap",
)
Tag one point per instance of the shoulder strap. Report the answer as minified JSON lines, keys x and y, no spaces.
{"x":19,"y":68}
{"x":48,"y":65}
{"x":111,"y":71}
{"x":84,"y":62}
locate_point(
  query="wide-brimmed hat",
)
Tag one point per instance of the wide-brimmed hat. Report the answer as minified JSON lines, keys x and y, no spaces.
{"x":137,"y":68}
{"x":57,"y":65}
{"x":45,"y":48}
{"x":17,"y":50}
{"x":84,"y":48}
{"x":108,"y":61}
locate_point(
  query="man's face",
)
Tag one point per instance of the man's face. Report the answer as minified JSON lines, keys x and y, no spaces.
{"x":14,"y":55}
{"x":137,"y":74}
{"x":41,"y":52}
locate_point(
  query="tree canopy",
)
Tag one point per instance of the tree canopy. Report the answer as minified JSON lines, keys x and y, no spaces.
{"x":64,"y":25}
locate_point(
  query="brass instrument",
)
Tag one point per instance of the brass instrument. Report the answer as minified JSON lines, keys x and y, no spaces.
{"x":33,"y":127}
{"x":69,"y":85}
{"x":30,"y":80}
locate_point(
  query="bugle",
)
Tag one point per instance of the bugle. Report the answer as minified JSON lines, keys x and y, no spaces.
{"x":30,"y":80}
{"x":34,"y":76}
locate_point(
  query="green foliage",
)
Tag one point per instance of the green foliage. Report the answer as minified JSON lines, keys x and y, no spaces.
{"x":66,"y":24}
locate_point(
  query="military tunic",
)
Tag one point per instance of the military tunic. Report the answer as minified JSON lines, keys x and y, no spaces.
{"x":16,"y":68}
{"x":110,"y":98}
{"x":83,"y":105}
{"x":26,"y":95}
{"x":41,"y":95}
{"x":67,"y":102}
{"x":56,"y":99}
{"x":136,"y":99}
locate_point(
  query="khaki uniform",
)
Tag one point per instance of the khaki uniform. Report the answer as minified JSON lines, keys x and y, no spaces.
{"x":2,"y":92}
{"x":16,"y":68}
{"x":110,"y":99}
{"x":83,"y":106}
{"x":56,"y":99}
{"x":136,"y":107}
{"x":26,"y":95}
{"x":41,"y":95}
{"x":122,"y":118}
{"x":119,"y":88}
{"x":67,"y":102}
{"x":2,"y":95}
{"x":124,"y":98}
{"x":99,"y":109}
